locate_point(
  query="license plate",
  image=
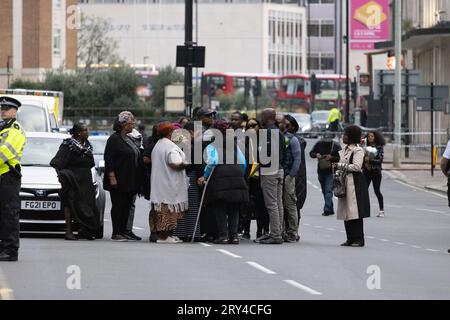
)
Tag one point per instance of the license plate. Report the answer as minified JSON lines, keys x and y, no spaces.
{"x":40,"y":205}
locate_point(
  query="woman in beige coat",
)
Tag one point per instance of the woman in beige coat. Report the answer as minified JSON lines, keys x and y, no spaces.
{"x":356,"y":205}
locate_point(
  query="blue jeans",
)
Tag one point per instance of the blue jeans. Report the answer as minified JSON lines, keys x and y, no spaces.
{"x":326,"y":183}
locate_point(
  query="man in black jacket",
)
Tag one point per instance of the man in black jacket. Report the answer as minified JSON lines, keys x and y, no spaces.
{"x":326,"y":151}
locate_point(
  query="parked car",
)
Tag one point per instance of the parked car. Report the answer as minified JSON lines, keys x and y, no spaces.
{"x":98,"y":145}
{"x":41,"y":208}
{"x":304,"y":122}
{"x":319,"y":122}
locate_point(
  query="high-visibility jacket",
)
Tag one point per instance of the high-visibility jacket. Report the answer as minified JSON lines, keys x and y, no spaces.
{"x":12,"y":141}
{"x":334,"y":115}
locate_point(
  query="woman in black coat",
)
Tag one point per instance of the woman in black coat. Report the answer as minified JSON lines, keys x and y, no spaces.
{"x":73,"y":164}
{"x":227,"y":188}
{"x":122,"y":178}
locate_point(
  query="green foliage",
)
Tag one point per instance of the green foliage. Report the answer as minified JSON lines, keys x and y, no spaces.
{"x":167,"y":75}
{"x":94,"y":44}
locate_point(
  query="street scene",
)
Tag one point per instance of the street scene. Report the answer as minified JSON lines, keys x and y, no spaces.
{"x":212,"y":150}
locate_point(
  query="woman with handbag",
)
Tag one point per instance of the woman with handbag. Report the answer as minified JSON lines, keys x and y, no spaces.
{"x":353,"y":202}
{"x":326,"y":151}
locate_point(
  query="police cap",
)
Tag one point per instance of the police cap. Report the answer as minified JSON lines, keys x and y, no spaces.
{"x":8,"y":102}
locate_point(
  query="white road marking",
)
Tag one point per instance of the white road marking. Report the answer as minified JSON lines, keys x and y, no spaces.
{"x":138,"y":228}
{"x":417,"y":247}
{"x":430,"y":210}
{"x":393,"y":206}
{"x":205,"y":244}
{"x":307,"y":224}
{"x":331,"y":229}
{"x":228,"y":253}
{"x":260,"y":267}
{"x":419,"y":189}
{"x":399,"y":243}
{"x":432,"y":250}
{"x":302,"y":287}
{"x":318,"y":227}
{"x":6,"y":293}
{"x":384,"y":240}
{"x":370,"y":237}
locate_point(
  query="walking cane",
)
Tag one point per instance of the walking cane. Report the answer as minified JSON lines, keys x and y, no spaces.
{"x":201,"y":204}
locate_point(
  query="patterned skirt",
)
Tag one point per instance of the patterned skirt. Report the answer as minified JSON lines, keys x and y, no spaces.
{"x":164,"y":220}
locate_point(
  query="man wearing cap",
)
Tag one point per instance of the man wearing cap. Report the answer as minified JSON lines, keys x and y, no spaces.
{"x":206,"y":116}
{"x":12,"y":141}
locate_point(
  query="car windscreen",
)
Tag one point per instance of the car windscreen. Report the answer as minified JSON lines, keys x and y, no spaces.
{"x":39,"y":151}
{"x":319,"y":116}
{"x":303,"y":119}
{"x":33,"y":118}
{"x":98,"y":146}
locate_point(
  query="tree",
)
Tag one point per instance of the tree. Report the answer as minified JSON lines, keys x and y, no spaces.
{"x":167,"y":75}
{"x":94,"y":44}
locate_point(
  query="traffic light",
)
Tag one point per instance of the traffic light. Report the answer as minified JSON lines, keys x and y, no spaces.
{"x":247,"y":87}
{"x":257,"y":90}
{"x":353,"y":90}
{"x":315,"y":85}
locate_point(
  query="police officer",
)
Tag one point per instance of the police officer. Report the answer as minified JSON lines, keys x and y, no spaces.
{"x":12,"y":141}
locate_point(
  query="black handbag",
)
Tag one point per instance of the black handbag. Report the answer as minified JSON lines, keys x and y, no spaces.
{"x":340,"y":181}
{"x":326,"y":164}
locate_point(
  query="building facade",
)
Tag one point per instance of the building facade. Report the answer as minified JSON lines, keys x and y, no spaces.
{"x":35,"y":37}
{"x":239,"y":36}
{"x":324,"y":36}
{"x":426,"y":42}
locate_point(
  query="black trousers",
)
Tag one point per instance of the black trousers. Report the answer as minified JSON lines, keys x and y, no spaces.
{"x":375,"y":176}
{"x":120,"y":211}
{"x":354,"y":230}
{"x":227,"y":217}
{"x":9,"y":213}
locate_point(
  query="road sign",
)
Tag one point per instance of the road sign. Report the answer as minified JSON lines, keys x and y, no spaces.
{"x":439,"y":97}
{"x":174,"y":98}
{"x":358,"y":68}
{"x":384,"y":78}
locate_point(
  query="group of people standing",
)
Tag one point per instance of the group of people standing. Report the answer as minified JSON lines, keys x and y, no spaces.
{"x":228,"y":194}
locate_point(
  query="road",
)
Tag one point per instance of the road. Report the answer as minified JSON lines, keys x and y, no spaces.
{"x":405,"y":258}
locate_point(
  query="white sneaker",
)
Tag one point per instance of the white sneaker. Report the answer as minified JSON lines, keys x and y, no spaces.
{"x":381,"y":214}
{"x":176,"y":238}
{"x":169,"y":240}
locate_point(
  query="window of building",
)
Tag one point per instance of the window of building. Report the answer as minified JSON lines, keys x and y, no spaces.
{"x":327,"y":30}
{"x":57,"y":41}
{"x":313,"y":29}
{"x":327,"y":63}
{"x":313,"y":63}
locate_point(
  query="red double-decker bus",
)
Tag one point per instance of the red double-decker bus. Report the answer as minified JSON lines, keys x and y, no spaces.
{"x":224,"y":83}
{"x":293,"y":90}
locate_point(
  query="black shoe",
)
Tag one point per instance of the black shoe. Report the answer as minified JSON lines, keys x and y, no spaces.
{"x":346,"y":244}
{"x":358,"y":244}
{"x":291,"y":240}
{"x":271,"y":240}
{"x":133,"y":236}
{"x":234,"y":241}
{"x":263,"y":237}
{"x":221,"y":241}
{"x":70,"y":237}
{"x":83,"y":234}
{"x":246,"y":235}
{"x":8,"y":257}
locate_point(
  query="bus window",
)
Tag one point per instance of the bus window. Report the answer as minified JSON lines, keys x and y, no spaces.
{"x":300,"y":85}
{"x":328,"y":84}
{"x":238,"y":83}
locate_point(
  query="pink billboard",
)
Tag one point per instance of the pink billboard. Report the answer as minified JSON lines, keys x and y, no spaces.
{"x":369,"y":23}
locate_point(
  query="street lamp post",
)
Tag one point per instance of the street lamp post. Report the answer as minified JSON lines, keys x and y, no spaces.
{"x":145,"y":60}
{"x":8,"y":70}
{"x":398,"y":84}
{"x":188,"y":69}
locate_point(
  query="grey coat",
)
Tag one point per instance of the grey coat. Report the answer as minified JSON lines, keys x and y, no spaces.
{"x":356,"y":204}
